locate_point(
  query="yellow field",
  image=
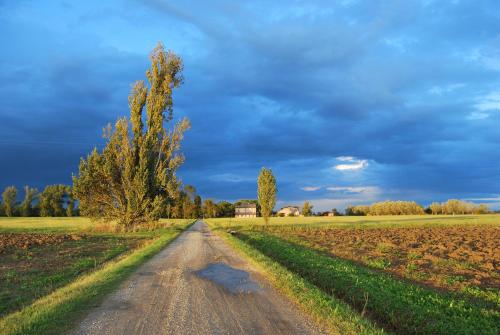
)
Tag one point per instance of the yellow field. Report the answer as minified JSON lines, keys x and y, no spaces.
{"x":58,"y":224}
{"x":363,"y":221}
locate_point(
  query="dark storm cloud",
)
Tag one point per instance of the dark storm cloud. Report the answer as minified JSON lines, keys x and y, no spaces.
{"x":410,"y":88}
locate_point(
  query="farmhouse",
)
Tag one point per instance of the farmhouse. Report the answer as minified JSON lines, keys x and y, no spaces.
{"x":289,"y":211}
{"x":245,"y":210}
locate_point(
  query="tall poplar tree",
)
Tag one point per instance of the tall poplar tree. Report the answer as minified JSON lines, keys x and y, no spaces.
{"x":307,"y":209}
{"x":9,"y":196}
{"x":266,"y":192}
{"x":133,"y":179}
{"x":29,"y":195}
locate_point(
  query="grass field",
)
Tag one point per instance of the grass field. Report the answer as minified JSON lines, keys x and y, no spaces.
{"x":408,"y":274}
{"x":404,"y":221}
{"x":66,"y":261}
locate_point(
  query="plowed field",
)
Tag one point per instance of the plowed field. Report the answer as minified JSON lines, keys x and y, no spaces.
{"x":33,"y":265}
{"x":27,"y":241}
{"x":447,"y":257}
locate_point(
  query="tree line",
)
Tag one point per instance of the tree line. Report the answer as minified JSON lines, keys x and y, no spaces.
{"x":450,"y":207}
{"x":54,"y":200}
{"x":132,"y":180}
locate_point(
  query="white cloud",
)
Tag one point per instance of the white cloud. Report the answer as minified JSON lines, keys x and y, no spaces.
{"x":311,"y":188}
{"x":354,"y":189}
{"x":440,"y":90}
{"x":354,"y":163}
{"x":230,"y":178}
{"x":487,"y":56}
{"x":489,"y":102}
{"x":345,"y":158}
{"x":478,"y":116}
{"x":484,"y":199}
{"x":486,"y":104}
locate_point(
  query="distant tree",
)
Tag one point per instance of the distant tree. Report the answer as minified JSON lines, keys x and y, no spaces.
{"x":307,"y":209}
{"x":225,"y":209}
{"x":197,"y":206}
{"x":52,"y":200}
{"x":70,"y":207}
{"x":395,"y":208}
{"x":335,"y":212}
{"x":357,"y":210}
{"x":134,"y":177}
{"x":453,"y":207}
{"x":266,"y":192}
{"x":436,"y":208}
{"x":26,"y":206}
{"x":481,"y":209}
{"x":209,"y":209}
{"x":177,"y":208}
{"x":190,"y":191}
{"x":9,"y":197}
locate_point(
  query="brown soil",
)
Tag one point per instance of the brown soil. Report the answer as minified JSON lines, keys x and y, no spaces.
{"x":33,"y":265}
{"x":27,"y":241}
{"x":447,"y":257}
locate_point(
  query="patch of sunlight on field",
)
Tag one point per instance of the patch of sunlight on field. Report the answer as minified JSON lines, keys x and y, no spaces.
{"x":60,"y":224}
{"x":44,"y":224}
{"x":361,"y":221}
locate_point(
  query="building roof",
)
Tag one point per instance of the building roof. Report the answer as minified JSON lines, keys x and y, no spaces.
{"x":297,"y":207}
{"x":246,"y":205}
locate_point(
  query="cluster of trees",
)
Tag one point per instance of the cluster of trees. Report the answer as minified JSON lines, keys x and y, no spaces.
{"x":223,"y":209}
{"x":54,"y":200}
{"x":455,"y":206}
{"x":452,"y":206}
{"x":187,"y":205}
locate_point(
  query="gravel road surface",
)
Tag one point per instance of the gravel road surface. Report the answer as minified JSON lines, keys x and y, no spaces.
{"x":197,"y":285}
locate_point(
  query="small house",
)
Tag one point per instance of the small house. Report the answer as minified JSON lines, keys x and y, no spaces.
{"x":289,"y":211}
{"x":245,"y":210}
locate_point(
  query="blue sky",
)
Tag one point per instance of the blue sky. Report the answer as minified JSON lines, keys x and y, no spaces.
{"x":348,"y":102}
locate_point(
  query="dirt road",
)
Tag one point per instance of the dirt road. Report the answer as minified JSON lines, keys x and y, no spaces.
{"x":197,"y":285}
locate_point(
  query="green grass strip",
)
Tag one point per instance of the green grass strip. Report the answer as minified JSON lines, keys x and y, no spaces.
{"x":400,"y":306}
{"x":58,"y":311}
{"x":334,"y":314}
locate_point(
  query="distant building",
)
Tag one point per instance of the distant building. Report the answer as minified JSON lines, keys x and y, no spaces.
{"x":289,"y":211}
{"x":334,"y":212}
{"x":245,"y":210}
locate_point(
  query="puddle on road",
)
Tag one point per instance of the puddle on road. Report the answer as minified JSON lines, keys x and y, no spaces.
{"x":234,"y":280}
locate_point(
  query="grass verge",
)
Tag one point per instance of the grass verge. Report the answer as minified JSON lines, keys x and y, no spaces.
{"x":400,"y":306}
{"x":335,"y":315}
{"x":56,"y":312}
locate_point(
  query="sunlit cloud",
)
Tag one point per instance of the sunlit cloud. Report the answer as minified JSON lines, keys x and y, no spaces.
{"x":478,"y":116}
{"x":311,"y":188}
{"x":345,"y":158}
{"x":484,"y":199}
{"x":230,"y":178}
{"x":353,"y":163}
{"x":489,"y":101}
{"x":440,"y":90}
{"x":354,"y":189}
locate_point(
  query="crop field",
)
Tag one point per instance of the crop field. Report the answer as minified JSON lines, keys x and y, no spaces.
{"x":40,"y":255}
{"x":408,"y":274}
{"x":447,"y":257}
